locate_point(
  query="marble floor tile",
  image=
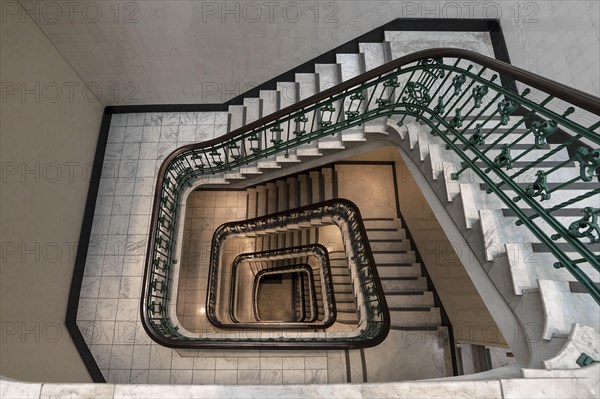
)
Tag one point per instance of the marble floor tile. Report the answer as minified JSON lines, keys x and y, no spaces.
{"x":203,"y":376}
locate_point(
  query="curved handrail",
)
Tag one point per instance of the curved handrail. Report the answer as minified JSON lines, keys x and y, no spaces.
{"x":304,"y":250}
{"x":425,"y":70}
{"x":287,"y":269}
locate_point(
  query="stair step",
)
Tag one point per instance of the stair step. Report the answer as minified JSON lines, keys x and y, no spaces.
{"x":386,"y":234}
{"x":393,"y":257}
{"x":390,"y":245}
{"x":393,"y":285}
{"x":391,"y":272}
{"x":417,"y":299}
{"x":430,"y":317}
{"x":237,"y":117}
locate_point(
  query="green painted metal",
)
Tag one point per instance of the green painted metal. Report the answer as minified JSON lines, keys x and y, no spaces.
{"x":457,"y":94}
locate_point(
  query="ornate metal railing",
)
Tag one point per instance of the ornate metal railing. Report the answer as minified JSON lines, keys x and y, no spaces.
{"x":304,"y":273}
{"x":469,"y":101}
{"x":293,"y":253}
{"x":375,"y":320}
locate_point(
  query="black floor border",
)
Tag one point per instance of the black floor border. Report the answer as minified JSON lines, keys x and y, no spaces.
{"x":376,"y":35}
{"x":81,"y":256}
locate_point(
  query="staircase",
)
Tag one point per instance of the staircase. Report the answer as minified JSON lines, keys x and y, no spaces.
{"x":282,"y":147}
{"x":406,"y":288}
{"x":449,"y":174}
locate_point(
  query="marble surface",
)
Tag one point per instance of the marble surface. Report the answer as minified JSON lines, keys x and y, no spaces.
{"x":582,"y":339}
{"x":559,"y":318}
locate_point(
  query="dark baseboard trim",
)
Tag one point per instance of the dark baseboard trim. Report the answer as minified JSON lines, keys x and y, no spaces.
{"x":81,"y":256}
{"x":376,"y":35}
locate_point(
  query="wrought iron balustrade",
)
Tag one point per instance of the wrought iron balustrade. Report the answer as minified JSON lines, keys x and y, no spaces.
{"x":316,"y":250}
{"x":475,"y":104}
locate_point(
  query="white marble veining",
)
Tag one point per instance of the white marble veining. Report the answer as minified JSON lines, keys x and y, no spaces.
{"x":582,"y":339}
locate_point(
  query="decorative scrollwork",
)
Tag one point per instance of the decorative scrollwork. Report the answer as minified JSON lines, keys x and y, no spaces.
{"x":328,"y":108}
{"x":504,"y":159}
{"x":541,"y":130}
{"x":587,"y":226}
{"x":506,"y":108}
{"x":417,"y":93}
{"x":439,"y":108}
{"x":478,"y":93}
{"x":539,"y":187}
{"x":435,"y":70}
{"x":392,"y":82}
{"x":589,"y":161}
{"x":457,"y":120}
{"x":457,"y":82}
{"x":477,"y":138}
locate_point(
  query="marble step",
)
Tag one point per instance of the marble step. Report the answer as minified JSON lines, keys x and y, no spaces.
{"x":271,"y":198}
{"x":399,"y":271}
{"x":327,"y":177}
{"x":329,"y":75}
{"x":305,"y":190}
{"x":288,"y":95}
{"x":581,"y":309}
{"x":251,"y":203}
{"x":307,"y":86}
{"x":293,"y":192}
{"x":347,"y":317}
{"x":253,"y":110}
{"x":316,"y":186}
{"x":346,"y":307}
{"x":342,"y":279}
{"x":409,"y":284}
{"x":390,"y":245}
{"x":351,"y":65}
{"x":337,"y":255}
{"x":499,"y":230}
{"x":374,"y":55}
{"x":342,"y":288}
{"x":341,"y":298}
{"x":386,"y":234}
{"x":282,"y":195}
{"x":424,"y":299}
{"x":261,"y":201}
{"x":382,"y":224}
{"x":237,"y":117}
{"x":425,"y":317}
{"x":527,"y":267}
{"x":393,"y":257}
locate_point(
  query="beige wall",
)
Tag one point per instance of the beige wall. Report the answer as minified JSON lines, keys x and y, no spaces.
{"x":52,"y":135}
{"x":470,"y":318}
{"x":188,"y":51}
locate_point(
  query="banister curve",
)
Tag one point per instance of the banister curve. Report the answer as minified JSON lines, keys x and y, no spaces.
{"x":432,"y":71}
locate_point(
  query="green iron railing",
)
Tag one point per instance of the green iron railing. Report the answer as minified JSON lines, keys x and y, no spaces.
{"x":305,"y":275}
{"x":341,"y":212}
{"x":291,"y":253}
{"x":470,"y":102}
{"x":345,"y":214}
